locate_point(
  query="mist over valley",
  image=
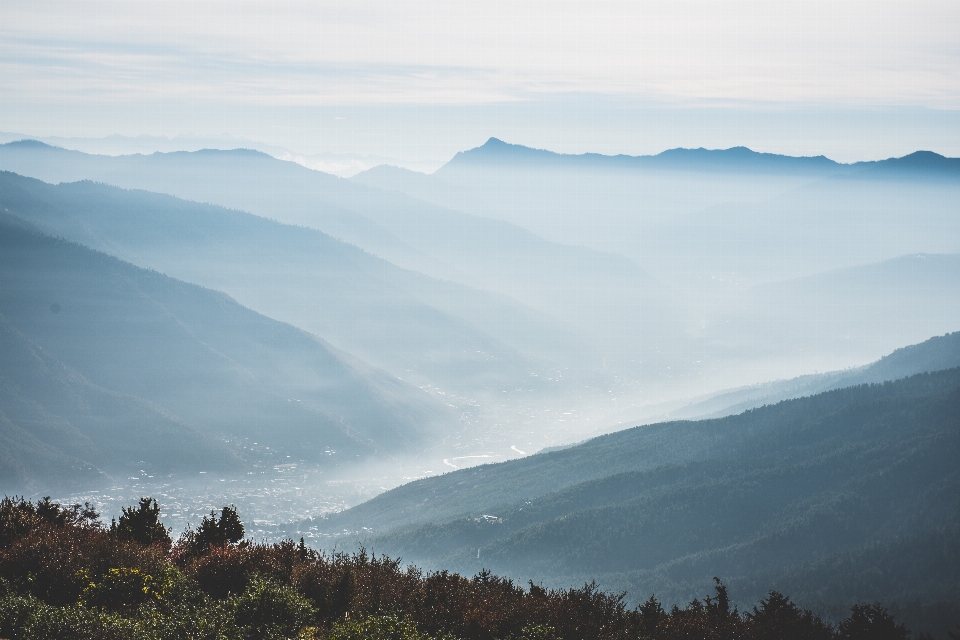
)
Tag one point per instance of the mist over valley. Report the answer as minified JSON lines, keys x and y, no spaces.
{"x":645,"y":371}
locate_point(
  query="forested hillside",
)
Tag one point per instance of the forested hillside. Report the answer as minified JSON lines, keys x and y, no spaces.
{"x":775,"y":495}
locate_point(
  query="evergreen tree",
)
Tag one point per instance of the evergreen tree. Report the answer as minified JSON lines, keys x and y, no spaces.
{"x":142,"y":524}
{"x":214,"y":531}
{"x":778,"y":618}
{"x":871,"y":622}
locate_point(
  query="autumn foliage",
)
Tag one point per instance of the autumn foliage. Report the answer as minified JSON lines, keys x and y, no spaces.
{"x":64,"y":575}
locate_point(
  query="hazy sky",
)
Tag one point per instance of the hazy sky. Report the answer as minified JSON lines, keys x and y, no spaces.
{"x":847,"y":78}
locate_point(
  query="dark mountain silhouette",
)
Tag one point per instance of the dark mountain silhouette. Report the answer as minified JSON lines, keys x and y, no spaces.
{"x":765,"y":497}
{"x":497,"y":153}
{"x":156,"y":356}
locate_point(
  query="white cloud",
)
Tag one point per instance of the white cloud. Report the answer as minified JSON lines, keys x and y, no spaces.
{"x":441,"y":52}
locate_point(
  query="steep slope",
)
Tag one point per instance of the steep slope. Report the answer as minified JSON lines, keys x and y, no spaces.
{"x":417,"y":328}
{"x":218,"y":367}
{"x":757,"y":494}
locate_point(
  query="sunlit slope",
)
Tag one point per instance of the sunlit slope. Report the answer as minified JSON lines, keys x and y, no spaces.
{"x":671,"y":505}
{"x":416,"y":327}
{"x":59,"y":431}
{"x":216,"y":366}
{"x":601,"y":295}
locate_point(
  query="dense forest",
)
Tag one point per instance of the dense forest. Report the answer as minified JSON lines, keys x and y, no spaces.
{"x":66,"y":575}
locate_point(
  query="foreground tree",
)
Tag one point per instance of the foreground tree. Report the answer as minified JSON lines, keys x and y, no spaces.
{"x":778,"y":618}
{"x":871,"y":622}
{"x":213,"y":532}
{"x":142,"y":524}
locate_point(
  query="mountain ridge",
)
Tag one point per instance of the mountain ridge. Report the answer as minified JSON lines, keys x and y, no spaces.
{"x":739,"y":158}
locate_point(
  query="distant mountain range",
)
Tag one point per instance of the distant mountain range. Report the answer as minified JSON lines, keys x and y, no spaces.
{"x":804,"y":495}
{"x":699,"y":238}
{"x":686,"y":214}
{"x":496,"y":154}
{"x":117,"y":367}
{"x":341,"y":164}
{"x":742,"y":242}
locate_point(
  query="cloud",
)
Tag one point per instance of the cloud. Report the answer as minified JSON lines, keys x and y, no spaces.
{"x":842,"y":52}
{"x":362,"y":52}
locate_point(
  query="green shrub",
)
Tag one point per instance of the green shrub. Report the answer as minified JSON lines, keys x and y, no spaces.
{"x":268,"y":609}
{"x":385,"y":627}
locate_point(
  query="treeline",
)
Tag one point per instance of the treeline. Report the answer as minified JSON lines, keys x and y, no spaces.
{"x":65,"y":575}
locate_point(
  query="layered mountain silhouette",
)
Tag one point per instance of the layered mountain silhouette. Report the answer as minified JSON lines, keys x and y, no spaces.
{"x":632,"y":269}
{"x":673,"y":274}
{"x":133,"y":365}
{"x":416,"y":327}
{"x":567,"y":282}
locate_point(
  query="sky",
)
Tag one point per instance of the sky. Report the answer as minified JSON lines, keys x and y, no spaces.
{"x":423,"y":79}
